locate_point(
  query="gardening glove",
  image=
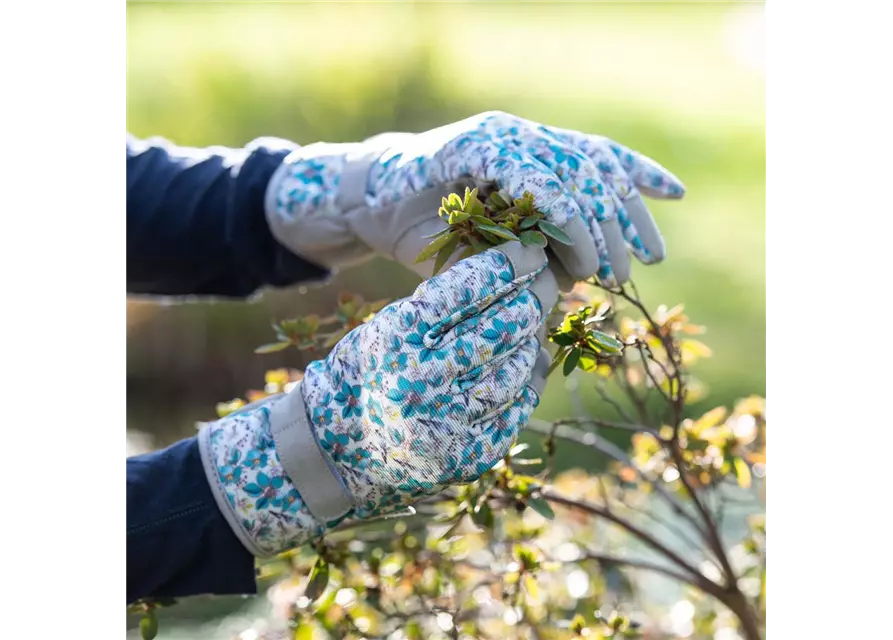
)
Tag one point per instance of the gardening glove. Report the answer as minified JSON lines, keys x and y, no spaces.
{"x":336,"y":204}
{"x":432,"y":391}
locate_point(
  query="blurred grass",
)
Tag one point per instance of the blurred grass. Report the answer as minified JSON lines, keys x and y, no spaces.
{"x":667,"y":79}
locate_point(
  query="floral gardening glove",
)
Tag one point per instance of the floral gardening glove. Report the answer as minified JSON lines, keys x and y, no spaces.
{"x":432,"y":391}
{"x":338,"y":203}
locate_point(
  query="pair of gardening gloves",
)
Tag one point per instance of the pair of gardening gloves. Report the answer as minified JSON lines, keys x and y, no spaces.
{"x":435,"y":388}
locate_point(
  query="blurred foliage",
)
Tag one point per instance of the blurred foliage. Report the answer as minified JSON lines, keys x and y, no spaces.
{"x":531,"y":552}
{"x":677,"y":81}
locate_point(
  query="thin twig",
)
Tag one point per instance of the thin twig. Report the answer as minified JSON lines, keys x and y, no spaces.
{"x":649,"y":373}
{"x":677,"y":404}
{"x":600,"y":388}
{"x":607,"y":424}
{"x":641,"y":564}
{"x":611,"y":450}
{"x":669,"y":526}
{"x":703,"y":583}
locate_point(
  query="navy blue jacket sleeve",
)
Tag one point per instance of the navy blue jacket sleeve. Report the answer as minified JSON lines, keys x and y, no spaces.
{"x":196,"y":222}
{"x":178,"y":542}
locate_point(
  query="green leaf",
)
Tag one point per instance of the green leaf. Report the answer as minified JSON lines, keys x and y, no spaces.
{"x":483,"y":516}
{"x":557,"y":359}
{"x":519,"y":448}
{"x":471,"y":195}
{"x":458,"y":216}
{"x":554,"y":232}
{"x":533,"y":239}
{"x":490,"y":239}
{"x":541,"y":507}
{"x":743,"y":473}
{"x":498,"y":201}
{"x":469,"y":251}
{"x":605,"y":342}
{"x":272,"y":347}
{"x":304,"y":631}
{"x":454,"y":201}
{"x":588,"y":361}
{"x":530,"y":221}
{"x":148,"y":625}
{"x":445,"y":252}
{"x":562,"y":339}
{"x":453,"y":531}
{"x":478,"y":244}
{"x":500,"y":232}
{"x":570,"y":363}
{"x":431,"y":250}
{"x":319,"y":579}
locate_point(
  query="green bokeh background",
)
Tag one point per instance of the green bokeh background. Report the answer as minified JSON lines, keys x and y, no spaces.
{"x":681,"y":82}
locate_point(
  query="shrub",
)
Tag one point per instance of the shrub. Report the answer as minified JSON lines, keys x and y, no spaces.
{"x":534,"y":551}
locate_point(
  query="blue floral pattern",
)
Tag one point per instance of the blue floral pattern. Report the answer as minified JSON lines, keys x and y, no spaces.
{"x":394,"y":435}
{"x":248,"y":470}
{"x":568,"y":172}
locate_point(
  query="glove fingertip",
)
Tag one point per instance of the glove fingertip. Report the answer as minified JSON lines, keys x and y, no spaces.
{"x":579,"y":260}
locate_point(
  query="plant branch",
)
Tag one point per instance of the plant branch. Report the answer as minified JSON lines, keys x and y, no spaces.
{"x":600,"y":388}
{"x":647,"y":566}
{"x":553,"y":496}
{"x":677,"y":404}
{"x":649,"y":373}
{"x":607,"y":424}
{"x":589,"y":439}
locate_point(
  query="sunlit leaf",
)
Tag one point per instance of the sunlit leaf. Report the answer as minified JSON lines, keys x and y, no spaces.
{"x":693,"y":350}
{"x":604,"y":342}
{"x":519,"y":448}
{"x":226,"y":408}
{"x":753,"y":405}
{"x":445,"y":252}
{"x":588,"y":362}
{"x":304,"y":631}
{"x":708,"y":420}
{"x":458,"y":216}
{"x":431,"y":250}
{"x":318,"y":580}
{"x":148,"y":625}
{"x":532,"y":587}
{"x":742,"y":471}
{"x":272,"y":347}
{"x":542,"y":507}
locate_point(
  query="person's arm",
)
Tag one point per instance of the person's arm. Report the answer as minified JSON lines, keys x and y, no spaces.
{"x":178,"y":541}
{"x":196,"y":223}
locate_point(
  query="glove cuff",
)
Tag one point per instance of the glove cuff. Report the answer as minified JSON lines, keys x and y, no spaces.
{"x":270,"y":479}
{"x":308,"y":198}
